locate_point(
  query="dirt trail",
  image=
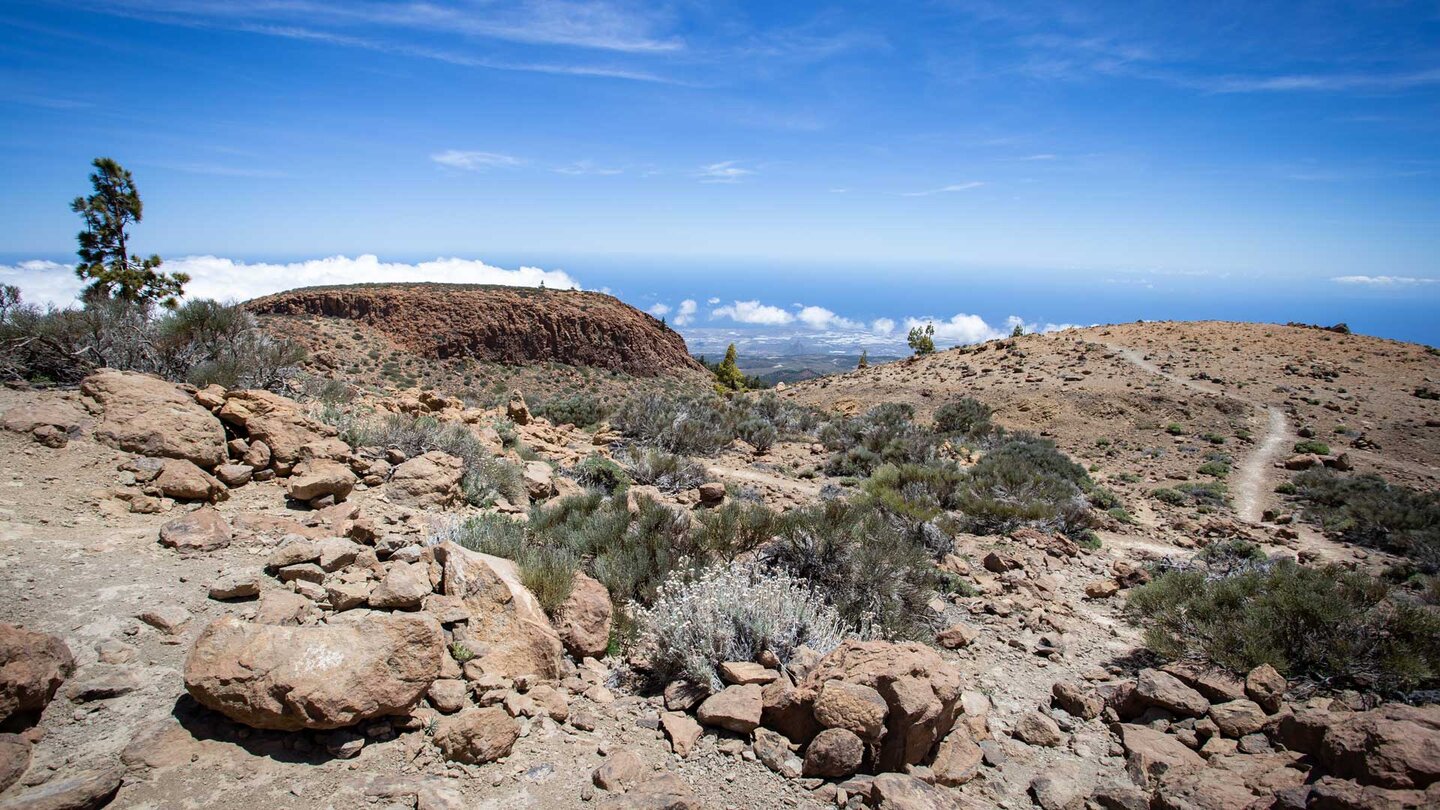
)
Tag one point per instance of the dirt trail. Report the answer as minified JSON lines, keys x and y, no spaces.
{"x":1252,"y":482}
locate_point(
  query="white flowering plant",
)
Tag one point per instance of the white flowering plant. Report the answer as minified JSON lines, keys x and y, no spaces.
{"x":734,"y":613}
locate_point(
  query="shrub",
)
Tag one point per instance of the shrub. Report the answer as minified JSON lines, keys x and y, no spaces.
{"x":485,"y":477}
{"x":1321,"y":624}
{"x":915,"y":491}
{"x":581,"y":410}
{"x":1319,"y":448}
{"x":1173,"y":497}
{"x":965,"y":417}
{"x":549,"y":573}
{"x":733,"y":613}
{"x":1369,"y":511}
{"x":601,"y":473}
{"x":885,"y":434}
{"x":738,"y":527}
{"x":759,"y":433}
{"x":874,"y":572}
{"x":1213,"y":438}
{"x":201,"y":342}
{"x":1209,"y":494}
{"x":1175,"y":429}
{"x":686,"y":424}
{"x":665,"y":471}
{"x":1216,"y":469}
{"x":1025,"y":481}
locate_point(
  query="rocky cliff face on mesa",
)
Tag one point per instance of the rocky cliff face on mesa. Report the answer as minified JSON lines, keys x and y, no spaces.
{"x":517,"y":326}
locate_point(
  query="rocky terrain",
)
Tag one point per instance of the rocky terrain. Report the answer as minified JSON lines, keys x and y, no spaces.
{"x":211,"y":598}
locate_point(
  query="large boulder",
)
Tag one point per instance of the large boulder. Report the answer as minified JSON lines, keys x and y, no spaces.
{"x":506,"y":629}
{"x":584,"y":620}
{"x":921,"y":692}
{"x":149,"y":416}
{"x":32,"y":667}
{"x":320,"y":677}
{"x":183,"y":480}
{"x":477,"y":736}
{"x":278,"y":422}
{"x":1394,"y":746}
{"x":204,"y":529}
{"x":1151,"y":754}
{"x":319,"y":477}
{"x":429,"y":481}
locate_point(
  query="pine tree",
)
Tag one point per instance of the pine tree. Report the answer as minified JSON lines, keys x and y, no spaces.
{"x":1018,"y":331}
{"x":727,"y":374}
{"x":864,"y":359}
{"x":922,"y":340}
{"x":105,"y":262}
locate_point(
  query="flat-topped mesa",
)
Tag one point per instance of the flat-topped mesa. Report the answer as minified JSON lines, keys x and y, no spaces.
{"x":511,"y":325}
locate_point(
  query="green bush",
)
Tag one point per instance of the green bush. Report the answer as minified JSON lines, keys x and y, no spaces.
{"x":1175,"y":429}
{"x":1025,"y":480}
{"x":1174,"y":497}
{"x":1216,"y":469}
{"x":687,"y":424}
{"x":885,"y":434}
{"x":964,"y":417}
{"x":918,"y":492}
{"x":877,"y":574}
{"x":601,"y":473}
{"x":1322,"y":624}
{"x":1319,"y":448}
{"x":1369,"y":511}
{"x":581,"y":410}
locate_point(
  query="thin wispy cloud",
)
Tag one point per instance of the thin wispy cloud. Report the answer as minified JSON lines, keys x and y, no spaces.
{"x":304,"y":20}
{"x":944,"y":189}
{"x":724,"y":172}
{"x":1042,"y":156}
{"x":1321,"y":82}
{"x":476,"y":161}
{"x":1385,"y":281}
{"x":581,"y":167}
{"x":592,"y":24}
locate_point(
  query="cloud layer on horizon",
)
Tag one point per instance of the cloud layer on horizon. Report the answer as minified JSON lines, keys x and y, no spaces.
{"x":47,"y":282}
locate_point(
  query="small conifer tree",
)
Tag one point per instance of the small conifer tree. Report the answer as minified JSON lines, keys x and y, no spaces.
{"x":864,"y":359}
{"x":105,"y":261}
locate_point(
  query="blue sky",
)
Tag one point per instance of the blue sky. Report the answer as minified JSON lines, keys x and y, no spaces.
{"x":1048,"y":160}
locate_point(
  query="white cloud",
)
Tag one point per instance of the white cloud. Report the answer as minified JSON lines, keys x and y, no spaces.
{"x":944,"y":189}
{"x":753,"y":312}
{"x":475,"y":161}
{"x":1384,"y":281}
{"x":214,"y":277}
{"x":659,"y":310}
{"x":587,"y":167}
{"x":712,"y":301}
{"x":960,"y":329}
{"x":822,"y":318}
{"x":882,"y":326}
{"x":724,"y":172}
{"x":686,"y":313}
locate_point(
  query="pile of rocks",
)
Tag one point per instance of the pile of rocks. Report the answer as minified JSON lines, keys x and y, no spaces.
{"x":871,"y":720}
{"x":366,"y":641}
{"x":1197,"y":738}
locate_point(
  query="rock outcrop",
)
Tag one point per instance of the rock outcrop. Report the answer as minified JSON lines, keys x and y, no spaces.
{"x":517,"y":326}
{"x":152,"y":417}
{"x":506,"y":626}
